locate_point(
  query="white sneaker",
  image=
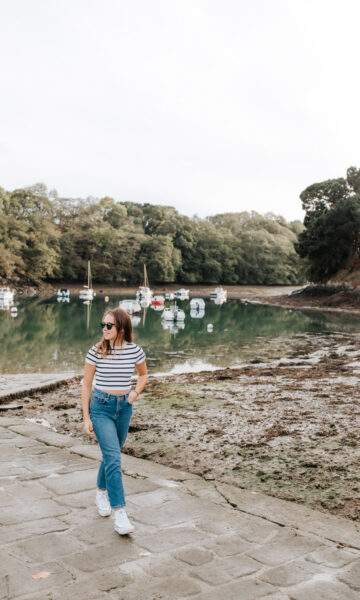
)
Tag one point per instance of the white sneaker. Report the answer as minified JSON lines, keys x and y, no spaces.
{"x":122,"y":523}
{"x":103,"y":504}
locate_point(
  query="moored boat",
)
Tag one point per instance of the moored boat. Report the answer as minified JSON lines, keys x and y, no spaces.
{"x":218,"y":294}
{"x":197,"y":304}
{"x":63,"y":293}
{"x":144,"y":292}
{"x":158,"y":301}
{"x":173,"y":313}
{"x":130,"y":306}
{"x":181,"y":294}
{"x":87,"y":293}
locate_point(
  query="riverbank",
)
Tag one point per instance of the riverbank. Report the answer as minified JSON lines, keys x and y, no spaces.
{"x":334,"y":298}
{"x":331,"y":298}
{"x":286,"y":424}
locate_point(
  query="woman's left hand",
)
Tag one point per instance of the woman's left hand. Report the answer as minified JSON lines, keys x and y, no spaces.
{"x":131,"y":397}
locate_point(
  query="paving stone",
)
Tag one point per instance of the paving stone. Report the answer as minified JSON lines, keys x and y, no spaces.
{"x":80,"y":499}
{"x":43,"y":435}
{"x":96,"y":531}
{"x":331,"y":557}
{"x":158,"y":473}
{"x":154,"y":498}
{"x":10,"y":420}
{"x":9,"y":562}
{"x":29,"y":489}
{"x":11,"y":533}
{"x":7,"y":434}
{"x":138,"y":485}
{"x":323,"y":590}
{"x":195,"y":556}
{"x":287,"y":575}
{"x":81,"y":589}
{"x":184,"y":510}
{"x":89,"y":451}
{"x":226,"y":522}
{"x":100,"y":557}
{"x":170,"y":539}
{"x":241,"y":589}
{"x":107,"y":580}
{"x":229,"y":545}
{"x":13,"y":470}
{"x":303,"y":518}
{"x":49,"y":546}
{"x":277,"y":596}
{"x":34,"y":510}
{"x":159,"y":566}
{"x":21,"y":582}
{"x":165,"y":589}
{"x":258,"y":530}
{"x":72,"y":482}
{"x":36,"y":596}
{"x":223,"y":570}
{"x":276,"y":553}
{"x":351,"y":576}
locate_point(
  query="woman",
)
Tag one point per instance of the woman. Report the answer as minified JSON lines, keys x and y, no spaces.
{"x":107,"y":410}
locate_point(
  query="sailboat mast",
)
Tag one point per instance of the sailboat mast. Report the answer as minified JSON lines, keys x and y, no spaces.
{"x":146,"y":283}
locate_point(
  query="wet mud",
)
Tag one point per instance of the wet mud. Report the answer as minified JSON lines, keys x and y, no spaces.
{"x":286,"y":423}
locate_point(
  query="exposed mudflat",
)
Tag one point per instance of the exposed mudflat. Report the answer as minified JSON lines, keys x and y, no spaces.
{"x":286,"y":424}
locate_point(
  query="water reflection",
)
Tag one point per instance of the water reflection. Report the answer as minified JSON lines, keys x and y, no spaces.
{"x":197,"y":313}
{"x":173,"y":326}
{"x":50,"y":336}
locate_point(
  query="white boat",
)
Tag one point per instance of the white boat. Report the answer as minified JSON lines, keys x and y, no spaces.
{"x":181,"y":294}
{"x":169,"y":296}
{"x":144,"y":292}
{"x":145,"y":302}
{"x":197,"y":304}
{"x":6,"y":294}
{"x":63,"y":293}
{"x":131,"y":306}
{"x":87,"y":293}
{"x":173,"y":313}
{"x":158,"y":301}
{"x":218,"y":293}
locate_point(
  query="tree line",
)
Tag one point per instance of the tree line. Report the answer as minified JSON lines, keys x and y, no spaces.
{"x":332,"y":225}
{"x":46,"y":237}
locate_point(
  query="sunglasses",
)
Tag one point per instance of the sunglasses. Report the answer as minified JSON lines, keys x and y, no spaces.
{"x":107,"y":325}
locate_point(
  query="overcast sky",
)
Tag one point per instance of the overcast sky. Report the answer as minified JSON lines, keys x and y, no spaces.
{"x":207,"y":105}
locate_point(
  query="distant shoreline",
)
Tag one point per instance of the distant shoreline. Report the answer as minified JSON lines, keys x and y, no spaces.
{"x":342,"y":300}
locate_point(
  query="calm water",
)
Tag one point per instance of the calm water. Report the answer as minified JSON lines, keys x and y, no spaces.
{"x":50,"y":337}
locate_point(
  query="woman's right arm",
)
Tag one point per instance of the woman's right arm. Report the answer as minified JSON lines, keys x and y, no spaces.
{"x":86,"y":392}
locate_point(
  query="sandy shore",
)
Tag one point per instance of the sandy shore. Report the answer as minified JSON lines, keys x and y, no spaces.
{"x":286,"y":424}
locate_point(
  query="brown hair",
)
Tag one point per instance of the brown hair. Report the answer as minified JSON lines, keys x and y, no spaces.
{"x":124,"y":331}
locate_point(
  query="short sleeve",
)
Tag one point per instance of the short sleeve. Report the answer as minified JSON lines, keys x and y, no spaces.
{"x":140,"y":356}
{"x":91,"y":357}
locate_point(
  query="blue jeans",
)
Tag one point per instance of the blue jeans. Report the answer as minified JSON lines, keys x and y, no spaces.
{"x":111,"y":416}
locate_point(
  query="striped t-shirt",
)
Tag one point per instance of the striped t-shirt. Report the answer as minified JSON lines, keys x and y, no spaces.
{"x":114,"y":372}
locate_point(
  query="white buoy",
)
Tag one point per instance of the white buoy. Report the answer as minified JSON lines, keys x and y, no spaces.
{"x":14,"y":311}
{"x":210,"y":327}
